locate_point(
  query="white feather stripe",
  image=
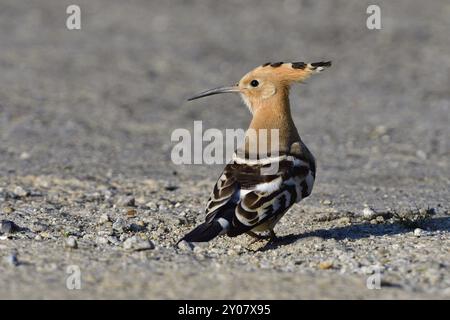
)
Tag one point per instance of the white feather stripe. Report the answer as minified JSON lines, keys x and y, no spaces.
{"x":277,"y":207}
{"x":216,"y":206}
{"x":269,"y":186}
{"x":224,"y":224}
{"x":251,"y":162}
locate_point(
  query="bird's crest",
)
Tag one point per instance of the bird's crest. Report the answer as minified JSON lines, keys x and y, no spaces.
{"x":289,"y":71}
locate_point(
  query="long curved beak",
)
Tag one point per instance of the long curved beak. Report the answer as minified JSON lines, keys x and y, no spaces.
{"x":215,"y":91}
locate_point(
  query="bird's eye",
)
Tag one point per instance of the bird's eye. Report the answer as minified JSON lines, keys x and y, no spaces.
{"x":254,"y":83}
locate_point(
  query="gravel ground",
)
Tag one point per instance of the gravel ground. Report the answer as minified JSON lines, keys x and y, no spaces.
{"x":86,"y":178}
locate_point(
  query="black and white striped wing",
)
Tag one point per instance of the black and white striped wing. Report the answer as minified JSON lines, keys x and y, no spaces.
{"x":244,"y":197}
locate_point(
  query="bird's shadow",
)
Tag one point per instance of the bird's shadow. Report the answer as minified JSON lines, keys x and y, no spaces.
{"x":359,"y":231}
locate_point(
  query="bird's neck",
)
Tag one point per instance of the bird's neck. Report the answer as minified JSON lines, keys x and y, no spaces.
{"x":269,"y":114}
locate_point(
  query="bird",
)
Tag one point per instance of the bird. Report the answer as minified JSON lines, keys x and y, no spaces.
{"x":247,"y":199}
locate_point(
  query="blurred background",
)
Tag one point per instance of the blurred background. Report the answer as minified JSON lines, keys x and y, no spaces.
{"x":108,"y":96}
{"x":101,"y":103}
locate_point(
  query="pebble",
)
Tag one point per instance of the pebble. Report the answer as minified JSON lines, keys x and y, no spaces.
{"x":136,"y":243}
{"x":151,"y":205}
{"x":119,"y":225}
{"x":185,"y":246}
{"x":24,"y":156}
{"x":105,"y":232}
{"x":38,"y":227}
{"x":198,"y":250}
{"x":344,"y":220}
{"x":325,"y":265}
{"x":8,"y":210}
{"x":20,"y":192}
{"x":127,"y":201}
{"x":327,"y":202}
{"x":104,"y":218}
{"x":101,"y":240}
{"x":421,"y":154}
{"x":113,"y":240}
{"x":135,"y":227}
{"x":131,"y":213}
{"x":12,"y":259}
{"x":71,"y":243}
{"x":7,"y":226}
{"x":368,"y":213}
{"x":418,"y":232}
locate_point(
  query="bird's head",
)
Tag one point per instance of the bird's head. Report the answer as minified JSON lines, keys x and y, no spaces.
{"x":269,"y":81}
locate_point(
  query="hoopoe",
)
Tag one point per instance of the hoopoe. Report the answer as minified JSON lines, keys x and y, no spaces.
{"x":244,"y":199}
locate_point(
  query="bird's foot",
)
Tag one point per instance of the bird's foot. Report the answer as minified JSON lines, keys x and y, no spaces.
{"x":271,"y":237}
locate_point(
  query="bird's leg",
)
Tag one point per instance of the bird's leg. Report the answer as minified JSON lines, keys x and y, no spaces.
{"x":258,"y":236}
{"x":272,"y":236}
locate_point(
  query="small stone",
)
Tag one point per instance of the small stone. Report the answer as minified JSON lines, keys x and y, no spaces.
{"x":327,"y":202}
{"x":344,"y":220}
{"x":171,"y":187}
{"x":135,"y":227}
{"x":13,"y":260}
{"x":24,"y":156}
{"x":367,"y":270}
{"x":421,"y":154}
{"x":131,"y":213}
{"x":378,"y":131}
{"x":8,"y":210}
{"x":198,"y":250}
{"x":127,"y":201}
{"x":177,"y":205}
{"x":7,"y":226}
{"x":71,"y":243}
{"x":101,"y":240}
{"x":45,"y":235}
{"x":368,"y":213}
{"x":105,"y":232}
{"x":138,"y":244}
{"x":20,"y":192}
{"x":119,"y":225}
{"x":418,"y":232}
{"x":151,"y":205}
{"x":325,"y":265}
{"x":104,"y":218}
{"x":186,"y":246}
{"x":113,"y":240}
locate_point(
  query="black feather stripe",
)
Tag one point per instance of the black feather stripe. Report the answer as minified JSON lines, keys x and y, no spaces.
{"x":298,"y":65}
{"x":321,"y":64}
{"x":204,"y":232}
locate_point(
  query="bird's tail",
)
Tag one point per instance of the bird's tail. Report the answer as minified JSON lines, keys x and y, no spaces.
{"x":204,"y":232}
